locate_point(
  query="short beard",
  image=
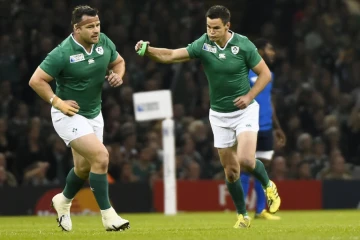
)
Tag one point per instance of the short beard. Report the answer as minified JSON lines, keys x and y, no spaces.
{"x":90,"y":42}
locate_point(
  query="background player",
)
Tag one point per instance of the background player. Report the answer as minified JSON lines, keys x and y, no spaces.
{"x":79,"y":65}
{"x":227,"y":58}
{"x":267,"y":122}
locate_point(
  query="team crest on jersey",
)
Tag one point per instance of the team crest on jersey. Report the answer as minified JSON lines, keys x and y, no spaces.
{"x":209,"y":48}
{"x":77,"y":58}
{"x":235,"y":49}
{"x":100,"y":50}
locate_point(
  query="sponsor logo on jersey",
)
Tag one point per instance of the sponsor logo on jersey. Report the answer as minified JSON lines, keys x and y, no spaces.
{"x":235,"y":49}
{"x":100,"y":50}
{"x":209,"y":48}
{"x":222,"y":56}
{"x":77,"y":58}
{"x":91,"y":60}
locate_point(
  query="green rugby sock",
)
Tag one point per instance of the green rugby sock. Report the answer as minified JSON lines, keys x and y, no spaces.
{"x":237,"y":194}
{"x":260,"y":174}
{"x":73,"y":184}
{"x":100,"y":187}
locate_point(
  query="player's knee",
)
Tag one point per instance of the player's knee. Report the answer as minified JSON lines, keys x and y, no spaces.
{"x":101,"y":160}
{"x":82,"y":171}
{"x":247,"y":161}
{"x":232,"y":173}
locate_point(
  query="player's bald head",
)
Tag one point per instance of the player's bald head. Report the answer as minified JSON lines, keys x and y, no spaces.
{"x":219,"y":11}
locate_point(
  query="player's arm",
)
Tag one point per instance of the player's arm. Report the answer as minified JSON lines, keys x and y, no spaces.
{"x":259,"y":67}
{"x":39,"y":82}
{"x":280,"y":136}
{"x":276,"y":123}
{"x":118,"y":66}
{"x":116,"y":71}
{"x":164,"y":55}
{"x":264,"y":77}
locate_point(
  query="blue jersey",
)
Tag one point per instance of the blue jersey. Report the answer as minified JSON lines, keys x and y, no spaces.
{"x":264,"y":100}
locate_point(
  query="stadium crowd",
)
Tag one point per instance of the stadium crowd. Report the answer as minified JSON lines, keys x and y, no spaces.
{"x":316,"y":88}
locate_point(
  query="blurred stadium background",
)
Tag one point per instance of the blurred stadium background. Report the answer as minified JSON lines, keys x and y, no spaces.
{"x":316,"y":91}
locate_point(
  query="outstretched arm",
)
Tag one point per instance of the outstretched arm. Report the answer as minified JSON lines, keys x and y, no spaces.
{"x":164,"y":55}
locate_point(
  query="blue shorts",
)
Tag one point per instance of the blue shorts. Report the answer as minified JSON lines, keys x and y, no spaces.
{"x":265,"y":144}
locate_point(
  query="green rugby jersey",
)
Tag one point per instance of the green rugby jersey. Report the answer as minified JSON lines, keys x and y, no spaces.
{"x":80,"y":75}
{"x":226,"y":68}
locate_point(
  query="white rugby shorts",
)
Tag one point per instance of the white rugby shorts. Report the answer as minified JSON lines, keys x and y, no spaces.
{"x":266,"y":155}
{"x":70,"y":128}
{"x":226,"y":126}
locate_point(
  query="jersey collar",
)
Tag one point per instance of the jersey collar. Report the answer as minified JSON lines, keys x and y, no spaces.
{"x":88,"y":53}
{"x":232,"y":35}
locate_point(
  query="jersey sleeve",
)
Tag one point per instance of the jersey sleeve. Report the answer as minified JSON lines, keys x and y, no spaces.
{"x":252,"y":56}
{"x":194,"y":48}
{"x":114,"y":53}
{"x":54,"y":62}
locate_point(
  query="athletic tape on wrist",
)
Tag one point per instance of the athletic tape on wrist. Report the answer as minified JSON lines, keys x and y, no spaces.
{"x":142,"y":50}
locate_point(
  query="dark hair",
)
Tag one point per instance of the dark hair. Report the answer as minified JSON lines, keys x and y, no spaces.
{"x":261,"y":43}
{"x":219,"y":11}
{"x":80,"y":11}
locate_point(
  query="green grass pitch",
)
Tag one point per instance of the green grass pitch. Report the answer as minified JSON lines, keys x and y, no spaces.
{"x":185,"y":226}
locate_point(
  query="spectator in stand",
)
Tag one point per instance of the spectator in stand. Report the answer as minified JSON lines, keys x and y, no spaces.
{"x":336,"y":170}
{"x":304,"y":171}
{"x":278,"y":168}
{"x":6,"y":177}
{"x":317,"y":89}
{"x":319,"y":159}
